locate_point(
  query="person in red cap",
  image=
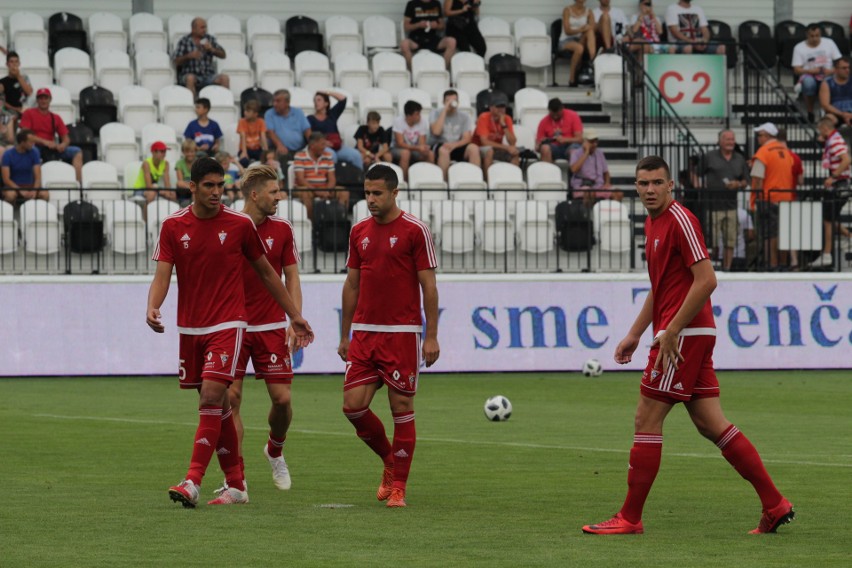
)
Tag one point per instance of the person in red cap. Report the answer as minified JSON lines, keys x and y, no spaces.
{"x":51,"y":133}
{"x":153,"y":180}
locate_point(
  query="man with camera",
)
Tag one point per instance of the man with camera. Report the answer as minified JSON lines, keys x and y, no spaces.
{"x":590,"y":179}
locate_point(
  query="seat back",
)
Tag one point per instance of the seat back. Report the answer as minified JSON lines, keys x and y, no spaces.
{"x":106,"y":31}
{"x":146,"y":32}
{"x":263,"y":98}
{"x":342,"y":36}
{"x":264,"y":35}
{"x":302,"y":34}
{"x":8,"y":228}
{"x":228,"y":33}
{"x":787,"y":34}
{"x":836,"y":33}
{"x":40,"y":227}
{"x":179,"y":25}
{"x":222,"y":108}
{"x":97,"y":107}
{"x":66,"y":30}
{"x":380,"y":35}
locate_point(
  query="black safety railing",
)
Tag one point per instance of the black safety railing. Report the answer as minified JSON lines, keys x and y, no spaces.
{"x":474,"y":231}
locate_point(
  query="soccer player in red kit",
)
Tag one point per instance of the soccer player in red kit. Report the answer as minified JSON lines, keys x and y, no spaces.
{"x":267,"y":338}
{"x":391,"y":259}
{"x":680,"y":364}
{"x":206,"y":244}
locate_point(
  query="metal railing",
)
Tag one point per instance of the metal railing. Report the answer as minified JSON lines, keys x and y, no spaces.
{"x":475,"y":231}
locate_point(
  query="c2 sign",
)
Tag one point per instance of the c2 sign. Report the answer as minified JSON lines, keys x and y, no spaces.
{"x":694,"y":85}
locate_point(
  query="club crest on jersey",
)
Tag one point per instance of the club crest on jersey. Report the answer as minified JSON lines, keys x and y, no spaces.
{"x":185,"y":240}
{"x":364,"y":243}
{"x":269,"y":242}
{"x":393,"y":241}
{"x":224,"y":358}
{"x":222,"y":236}
{"x":656,"y":242}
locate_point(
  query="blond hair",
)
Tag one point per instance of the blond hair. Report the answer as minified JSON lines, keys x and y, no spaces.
{"x":255,"y":175}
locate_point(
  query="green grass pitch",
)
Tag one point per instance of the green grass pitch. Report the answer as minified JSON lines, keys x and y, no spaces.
{"x":85,"y":464}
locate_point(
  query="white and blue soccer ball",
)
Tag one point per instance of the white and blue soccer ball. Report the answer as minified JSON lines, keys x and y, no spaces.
{"x":498,"y":408}
{"x":592,"y":368}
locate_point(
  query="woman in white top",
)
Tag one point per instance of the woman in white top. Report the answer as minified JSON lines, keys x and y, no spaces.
{"x":578,"y":35}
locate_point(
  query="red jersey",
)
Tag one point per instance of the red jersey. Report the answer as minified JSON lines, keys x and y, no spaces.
{"x":208,"y":257}
{"x":569,"y":125}
{"x":673,"y":243}
{"x":44,"y":125}
{"x":261,"y":307}
{"x":389,"y":258}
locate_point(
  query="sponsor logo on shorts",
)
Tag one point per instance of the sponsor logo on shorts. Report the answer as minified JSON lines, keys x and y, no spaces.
{"x":678,"y":387}
{"x":412,"y":378}
{"x":654,"y":374}
{"x":273,"y":358}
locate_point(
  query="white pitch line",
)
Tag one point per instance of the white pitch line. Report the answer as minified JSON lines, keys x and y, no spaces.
{"x":444,"y":440}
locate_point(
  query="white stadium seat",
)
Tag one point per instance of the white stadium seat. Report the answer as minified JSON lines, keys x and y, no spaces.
{"x":238,"y":68}
{"x":426,"y":182}
{"x":390,"y":72}
{"x":73,"y":70}
{"x":136,"y":107}
{"x":154,"y":70}
{"x":155,"y":212}
{"x":313,"y":71}
{"x":493,"y":225}
{"x":36,"y":65}
{"x":146,"y":33}
{"x":380,"y":35}
{"x":222,"y":108}
{"x":294,"y":211}
{"x":26,"y":31}
{"x":130,"y":173}
{"x":498,"y":36}
{"x":420,"y":209}
{"x":342,"y":36}
{"x":8,"y":228}
{"x":302,"y":99}
{"x":545,"y":182}
{"x":230,"y":139}
{"x":509,"y":180}
{"x":530,"y":107}
{"x":106,"y":32}
{"x":429,"y":72}
{"x":273,"y":71}
{"x":156,"y":132}
{"x":112,"y":69}
{"x":352,"y":72}
{"x":40,"y":226}
{"x":264,"y":35}
{"x":127,"y":228}
{"x":525,"y":135}
{"x":466,"y":182}
{"x":402,"y":184}
{"x":61,"y":179}
{"x":417,"y":95}
{"x":612,"y":226}
{"x":177,"y":107}
{"x":118,"y":145}
{"x":179,"y":25}
{"x":228,"y":33}
{"x":380,"y":101}
{"x":535,"y":230}
{"x":360,"y":211}
{"x":608,"y":78}
{"x":100,"y":175}
{"x":533,"y":42}
{"x":454,"y":226}
{"x":469,"y":73}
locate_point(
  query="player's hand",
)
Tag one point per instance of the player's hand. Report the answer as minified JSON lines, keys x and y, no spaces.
{"x":343,"y":348}
{"x":302,"y":331}
{"x":431,"y":351}
{"x":292,"y":342}
{"x":625,"y":349}
{"x":669,"y":354}
{"x":153,"y":320}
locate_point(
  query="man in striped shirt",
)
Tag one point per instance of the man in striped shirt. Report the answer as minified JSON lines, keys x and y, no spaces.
{"x":315,"y":175}
{"x":680,"y":364}
{"x":391,"y":260}
{"x":835,"y":159}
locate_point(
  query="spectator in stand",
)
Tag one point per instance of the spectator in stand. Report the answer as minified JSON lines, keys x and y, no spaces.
{"x":47,"y":127}
{"x":558,"y":133}
{"x":452,"y":134}
{"x":233,"y":171}
{"x":462,"y":16}
{"x":646,"y":31}
{"x":495,"y":134}
{"x":15,"y":87}
{"x":21,"y":170}
{"x":410,"y":132}
{"x":286,"y":127}
{"x":183,"y":171}
{"x":835,"y":93}
{"x":193,"y":59}
{"x":204,"y":130}
{"x":726,"y":174}
{"x":772,"y":181}
{"x":373,"y":141}
{"x":578,"y":36}
{"x":688,"y":26}
{"x":423,"y":23}
{"x":315,"y":177}
{"x":813,"y":61}
{"x":154,"y":180}
{"x":269,"y":159}
{"x":611,"y":25}
{"x":325,"y":119}
{"x":836,"y":160}
{"x":252,"y":131}
{"x":590,"y":177}
{"x":744,"y":251}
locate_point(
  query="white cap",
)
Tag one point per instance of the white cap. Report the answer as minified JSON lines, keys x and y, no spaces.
{"x":767,"y":127}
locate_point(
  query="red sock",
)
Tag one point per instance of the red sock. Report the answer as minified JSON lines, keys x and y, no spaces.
{"x":274,"y":445}
{"x":741,"y":454}
{"x":369,"y":428}
{"x":404,"y":437}
{"x":228,"y":452}
{"x":206,"y":437}
{"x":644,"y":464}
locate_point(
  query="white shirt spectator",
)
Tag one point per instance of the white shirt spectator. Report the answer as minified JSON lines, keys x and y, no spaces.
{"x":688,"y":20}
{"x":617,"y":19}
{"x":411,"y":134}
{"x":815,"y":58}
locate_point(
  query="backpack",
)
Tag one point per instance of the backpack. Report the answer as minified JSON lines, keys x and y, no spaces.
{"x":331,"y":226}
{"x":84,"y":227}
{"x":573,"y":226}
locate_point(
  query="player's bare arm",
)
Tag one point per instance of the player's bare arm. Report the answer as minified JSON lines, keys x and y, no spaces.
{"x":627,"y":346}
{"x":703,"y":284}
{"x":349,"y":302}
{"x":294,"y":286}
{"x":429,"y":286}
{"x":157,"y":295}
{"x":273,"y":283}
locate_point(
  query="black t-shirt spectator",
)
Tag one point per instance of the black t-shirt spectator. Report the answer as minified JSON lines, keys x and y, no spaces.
{"x":12,"y":91}
{"x":372,"y":140}
{"x":421,"y":11}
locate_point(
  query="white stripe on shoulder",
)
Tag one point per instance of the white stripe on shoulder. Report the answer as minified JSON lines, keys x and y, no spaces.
{"x":361,"y":222}
{"x":427,"y":235}
{"x":688,"y":231}
{"x":229,"y":211}
{"x":178,"y":213}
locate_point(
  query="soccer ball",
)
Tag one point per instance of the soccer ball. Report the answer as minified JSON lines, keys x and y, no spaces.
{"x":498,"y":408}
{"x":592,"y":368}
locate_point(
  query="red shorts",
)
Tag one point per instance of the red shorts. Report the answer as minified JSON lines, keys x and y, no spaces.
{"x":209,"y":357}
{"x":694,"y":378}
{"x":381,"y":356}
{"x":269,"y":355}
